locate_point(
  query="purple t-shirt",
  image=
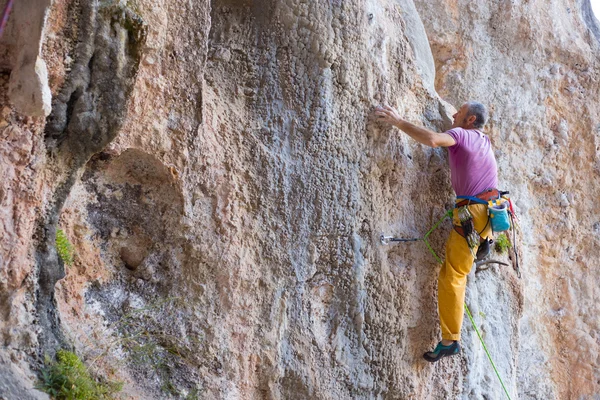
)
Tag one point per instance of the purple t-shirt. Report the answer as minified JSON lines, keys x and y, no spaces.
{"x":472,"y":162}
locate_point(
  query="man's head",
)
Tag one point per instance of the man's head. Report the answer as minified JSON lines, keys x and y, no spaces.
{"x":471,"y":115}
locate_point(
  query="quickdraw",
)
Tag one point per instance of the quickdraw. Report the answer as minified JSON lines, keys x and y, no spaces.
{"x":469,"y":232}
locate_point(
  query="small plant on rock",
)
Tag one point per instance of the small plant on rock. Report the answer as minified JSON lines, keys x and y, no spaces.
{"x":67,"y":378}
{"x":64,"y":247}
{"x":502,"y":244}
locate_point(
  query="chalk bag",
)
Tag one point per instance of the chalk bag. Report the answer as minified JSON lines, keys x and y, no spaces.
{"x":499,"y":217}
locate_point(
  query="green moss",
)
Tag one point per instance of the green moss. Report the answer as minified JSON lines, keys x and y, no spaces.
{"x":67,"y":378}
{"x":502,"y":244}
{"x":64,"y":247}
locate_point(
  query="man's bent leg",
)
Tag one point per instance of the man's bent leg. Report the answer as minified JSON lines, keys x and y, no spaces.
{"x":452,"y":282}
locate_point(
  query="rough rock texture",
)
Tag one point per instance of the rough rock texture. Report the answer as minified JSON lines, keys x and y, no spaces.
{"x":20,"y":47}
{"x":16,"y":383}
{"x":216,"y":170}
{"x":87,"y":115}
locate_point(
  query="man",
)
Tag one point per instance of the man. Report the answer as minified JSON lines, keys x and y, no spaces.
{"x":474,"y":175}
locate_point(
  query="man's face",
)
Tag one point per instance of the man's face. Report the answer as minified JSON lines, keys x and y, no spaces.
{"x":460,"y":118}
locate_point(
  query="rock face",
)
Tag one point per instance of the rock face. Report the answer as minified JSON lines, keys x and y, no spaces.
{"x":216,"y":170}
{"x":20,"y":47}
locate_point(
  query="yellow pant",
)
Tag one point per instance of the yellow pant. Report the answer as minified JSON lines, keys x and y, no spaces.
{"x":453,"y":275}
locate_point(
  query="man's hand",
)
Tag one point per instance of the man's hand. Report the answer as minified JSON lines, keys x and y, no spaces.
{"x":388,"y":115}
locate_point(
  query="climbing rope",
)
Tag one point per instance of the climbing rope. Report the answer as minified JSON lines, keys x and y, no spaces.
{"x":486,"y":351}
{"x":439,"y":260}
{"x":5,"y":14}
{"x":447,"y":215}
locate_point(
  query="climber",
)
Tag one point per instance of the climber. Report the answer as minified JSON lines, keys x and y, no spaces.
{"x":474,"y":174}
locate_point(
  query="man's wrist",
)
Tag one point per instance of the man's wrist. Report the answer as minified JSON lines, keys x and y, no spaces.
{"x":400,"y":124}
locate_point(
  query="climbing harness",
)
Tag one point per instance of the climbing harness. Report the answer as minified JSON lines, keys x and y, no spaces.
{"x":500,"y":209}
{"x":502,"y":217}
{"x":385,"y":240}
{"x":480,"y":198}
{"x":466,"y":228}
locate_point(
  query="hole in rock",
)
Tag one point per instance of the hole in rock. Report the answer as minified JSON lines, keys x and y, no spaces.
{"x":134,"y":206}
{"x":138,"y":208}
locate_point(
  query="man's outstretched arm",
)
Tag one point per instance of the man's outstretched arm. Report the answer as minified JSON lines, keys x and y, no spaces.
{"x":390,"y":116}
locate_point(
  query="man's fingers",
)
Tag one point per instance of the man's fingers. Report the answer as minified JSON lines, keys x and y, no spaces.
{"x":385,"y":114}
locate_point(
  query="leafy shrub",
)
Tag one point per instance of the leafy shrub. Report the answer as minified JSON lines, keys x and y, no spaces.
{"x":64,"y":247}
{"x":67,"y":378}
{"x":502,"y":244}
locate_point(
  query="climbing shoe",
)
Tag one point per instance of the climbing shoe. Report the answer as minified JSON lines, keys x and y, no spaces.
{"x":442,"y":351}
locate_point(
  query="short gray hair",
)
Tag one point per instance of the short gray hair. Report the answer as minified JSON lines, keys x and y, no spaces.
{"x":479,"y":111}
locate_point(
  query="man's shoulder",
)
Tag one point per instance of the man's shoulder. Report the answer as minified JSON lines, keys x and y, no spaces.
{"x":458,"y":134}
{"x":468,"y":138}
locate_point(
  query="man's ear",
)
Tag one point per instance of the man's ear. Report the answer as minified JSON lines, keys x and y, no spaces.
{"x":471,"y":119}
